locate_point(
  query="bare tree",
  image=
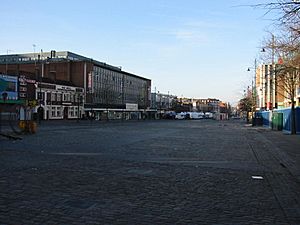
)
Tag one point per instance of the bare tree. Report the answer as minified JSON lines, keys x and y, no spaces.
{"x":287,"y":71}
{"x":288,"y":75}
{"x":288,"y":11}
{"x":286,"y":48}
{"x":246,"y":104}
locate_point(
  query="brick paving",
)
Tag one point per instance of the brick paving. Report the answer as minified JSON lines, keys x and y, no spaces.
{"x":150,"y":172}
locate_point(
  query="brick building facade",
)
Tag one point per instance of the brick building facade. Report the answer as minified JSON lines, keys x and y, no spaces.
{"x":107,"y":90}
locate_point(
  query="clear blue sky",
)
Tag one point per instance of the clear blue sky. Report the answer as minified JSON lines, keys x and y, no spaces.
{"x":190,"y":48}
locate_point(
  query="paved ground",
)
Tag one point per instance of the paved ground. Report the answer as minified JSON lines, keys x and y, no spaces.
{"x":150,"y":172}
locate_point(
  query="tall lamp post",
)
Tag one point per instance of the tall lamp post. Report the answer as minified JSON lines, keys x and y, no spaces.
{"x":253,"y":91}
{"x":6,"y":65}
{"x":40,"y":99}
{"x":79,"y":100}
{"x":4,"y":97}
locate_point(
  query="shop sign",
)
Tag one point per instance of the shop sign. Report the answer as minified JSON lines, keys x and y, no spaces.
{"x":131,"y":107}
{"x":9,"y":86}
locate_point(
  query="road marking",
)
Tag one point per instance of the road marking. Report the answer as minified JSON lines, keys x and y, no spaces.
{"x":257,"y":177}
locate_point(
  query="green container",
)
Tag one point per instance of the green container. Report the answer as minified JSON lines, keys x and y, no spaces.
{"x":277,"y":121}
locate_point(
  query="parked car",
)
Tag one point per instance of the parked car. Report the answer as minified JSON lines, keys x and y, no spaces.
{"x":169,"y":115}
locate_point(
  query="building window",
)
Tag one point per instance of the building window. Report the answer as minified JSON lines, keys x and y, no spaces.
{"x":41,"y":95}
{"x":59,"y":112}
{"x":53,"y":97}
{"x":72,"y":98}
{"x":48,"y":96}
{"x":58,"y":97}
{"x":71,"y":111}
{"x":66,"y":97}
{"x":53,"y":112}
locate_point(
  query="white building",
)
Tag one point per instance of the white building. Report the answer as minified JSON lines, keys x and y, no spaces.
{"x":59,"y":101}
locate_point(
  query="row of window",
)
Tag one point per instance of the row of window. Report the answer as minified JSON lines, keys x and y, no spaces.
{"x":59,"y":97}
{"x":117,"y":87}
{"x":28,"y":59}
{"x":60,"y":112}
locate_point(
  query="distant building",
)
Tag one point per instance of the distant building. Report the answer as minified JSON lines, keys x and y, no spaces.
{"x":184,"y":105}
{"x":198,"y":105}
{"x":208,"y":105}
{"x":162,"y":102}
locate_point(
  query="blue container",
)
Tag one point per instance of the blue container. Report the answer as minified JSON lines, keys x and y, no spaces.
{"x":266,"y":118}
{"x":287,"y":119}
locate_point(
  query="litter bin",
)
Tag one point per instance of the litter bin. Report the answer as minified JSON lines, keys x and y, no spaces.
{"x":257,"y":121}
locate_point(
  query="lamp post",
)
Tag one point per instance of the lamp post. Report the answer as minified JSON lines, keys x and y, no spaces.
{"x":253,"y":90}
{"x":273,"y":73}
{"x":6,"y":65}
{"x":79,"y":100}
{"x":4,"y":97}
{"x":38,"y":74}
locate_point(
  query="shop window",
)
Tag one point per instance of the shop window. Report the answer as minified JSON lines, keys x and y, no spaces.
{"x":41,"y":95}
{"x":71,"y":111}
{"x":53,"y":112}
{"x":48,"y":96}
{"x":59,"y":112}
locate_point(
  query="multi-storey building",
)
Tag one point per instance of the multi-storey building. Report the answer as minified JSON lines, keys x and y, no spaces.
{"x":198,"y":105}
{"x":208,"y":105}
{"x":270,"y":92}
{"x":108,"y":91}
{"x":162,"y":102}
{"x":40,"y":99}
{"x":57,"y":101}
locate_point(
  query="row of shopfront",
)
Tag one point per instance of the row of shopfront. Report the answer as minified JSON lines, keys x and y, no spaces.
{"x":65,"y":85}
{"x":32,"y":99}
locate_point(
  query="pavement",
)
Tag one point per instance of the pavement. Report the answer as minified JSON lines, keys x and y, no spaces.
{"x":150,"y":172}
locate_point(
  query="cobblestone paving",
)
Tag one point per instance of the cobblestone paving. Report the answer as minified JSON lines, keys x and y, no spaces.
{"x":150,"y":172}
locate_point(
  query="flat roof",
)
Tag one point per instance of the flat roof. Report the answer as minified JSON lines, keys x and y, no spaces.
{"x":57,"y":56}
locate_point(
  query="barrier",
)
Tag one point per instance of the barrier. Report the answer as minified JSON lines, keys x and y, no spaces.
{"x":286,"y":124}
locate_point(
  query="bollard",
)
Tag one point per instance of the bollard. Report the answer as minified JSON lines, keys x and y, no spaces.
{"x":32,"y":127}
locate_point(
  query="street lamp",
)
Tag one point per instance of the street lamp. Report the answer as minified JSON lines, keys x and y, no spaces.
{"x":6,"y":66}
{"x":79,"y":100}
{"x":253,"y":87}
{"x":4,"y":97}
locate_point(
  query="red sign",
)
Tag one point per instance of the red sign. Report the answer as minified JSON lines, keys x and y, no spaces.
{"x":269,"y":105}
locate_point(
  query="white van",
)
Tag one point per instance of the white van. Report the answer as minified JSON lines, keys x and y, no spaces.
{"x":196,"y":115}
{"x":208,"y":115}
{"x":180,"y":116}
